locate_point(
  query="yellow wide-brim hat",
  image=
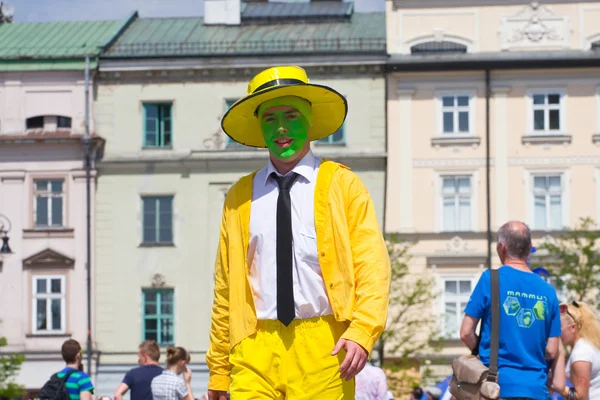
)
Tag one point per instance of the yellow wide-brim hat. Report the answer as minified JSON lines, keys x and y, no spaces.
{"x":329,"y":108}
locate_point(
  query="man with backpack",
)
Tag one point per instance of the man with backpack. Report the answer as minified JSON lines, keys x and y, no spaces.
{"x":529,"y":320}
{"x":70,"y":383}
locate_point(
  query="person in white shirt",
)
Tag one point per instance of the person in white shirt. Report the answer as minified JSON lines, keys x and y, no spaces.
{"x":371,"y":384}
{"x":581,"y":330}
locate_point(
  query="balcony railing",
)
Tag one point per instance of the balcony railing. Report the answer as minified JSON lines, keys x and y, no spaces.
{"x":249,"y":47}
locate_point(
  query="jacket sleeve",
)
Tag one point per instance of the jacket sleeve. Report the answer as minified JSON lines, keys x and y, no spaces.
{"x":217,"y":356}
{"x":371,"y":267}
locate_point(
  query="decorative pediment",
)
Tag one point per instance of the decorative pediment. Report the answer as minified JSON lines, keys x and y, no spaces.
{"x":48,"y":258}
{"x":458,"y":245}
{"x":158,"y":281}
{"x":535,"y":26}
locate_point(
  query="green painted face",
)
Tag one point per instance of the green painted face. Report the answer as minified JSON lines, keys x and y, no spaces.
{"x":285,"y":130}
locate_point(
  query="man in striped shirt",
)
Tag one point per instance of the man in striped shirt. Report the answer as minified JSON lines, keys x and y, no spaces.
{"x":79,"y":384}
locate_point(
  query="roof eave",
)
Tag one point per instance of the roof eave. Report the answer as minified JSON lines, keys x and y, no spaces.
{"x":468,"y":62}
{"x":233,"y":55}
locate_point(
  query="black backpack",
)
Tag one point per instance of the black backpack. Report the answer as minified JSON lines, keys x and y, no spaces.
{"x":56,"y":388}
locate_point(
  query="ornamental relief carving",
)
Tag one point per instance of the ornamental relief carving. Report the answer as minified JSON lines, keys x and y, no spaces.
{"x":535,"y":26}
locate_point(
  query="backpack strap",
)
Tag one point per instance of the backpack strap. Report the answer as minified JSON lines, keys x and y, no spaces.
{"x":495,"y":336}
{"x":68,"y":374}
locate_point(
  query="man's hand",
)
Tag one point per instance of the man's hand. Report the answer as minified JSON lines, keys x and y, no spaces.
{"x":355,"y":360}
{"x":217,"y":395}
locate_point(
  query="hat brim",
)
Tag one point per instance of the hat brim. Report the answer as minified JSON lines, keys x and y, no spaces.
{"x":329,"y":110}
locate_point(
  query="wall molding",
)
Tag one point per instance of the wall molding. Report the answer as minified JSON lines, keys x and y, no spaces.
{"x":449,"y":162}
{"x":553,"y":161}
{"x":512,"y":161}
{"x":12,"y":177}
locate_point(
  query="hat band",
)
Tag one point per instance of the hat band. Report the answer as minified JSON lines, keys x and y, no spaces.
{"x":277,"y":82}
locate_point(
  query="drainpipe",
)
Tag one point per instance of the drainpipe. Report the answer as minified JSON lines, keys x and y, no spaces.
{"x":87,"y":149}
{"x":487,"y":168}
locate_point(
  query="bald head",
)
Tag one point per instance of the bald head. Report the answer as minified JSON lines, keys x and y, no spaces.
{"x":516,"y":238}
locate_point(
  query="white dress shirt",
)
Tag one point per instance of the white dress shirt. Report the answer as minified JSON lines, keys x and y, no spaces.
{"x":310,"y":296}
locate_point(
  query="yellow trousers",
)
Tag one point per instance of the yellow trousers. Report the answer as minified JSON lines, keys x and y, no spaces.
{"x":291,"y":363}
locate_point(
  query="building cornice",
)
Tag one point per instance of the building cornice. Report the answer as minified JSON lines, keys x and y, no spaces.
{"x":233,"y":66}
{"x":159,"y":75}
{"x":463,"y":236}
{"x":187,"y":159}
{"x":420,"y":4}
{"x":496,"y":60}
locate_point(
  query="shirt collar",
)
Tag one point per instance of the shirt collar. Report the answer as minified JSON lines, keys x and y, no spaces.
{"x":305,"y":168}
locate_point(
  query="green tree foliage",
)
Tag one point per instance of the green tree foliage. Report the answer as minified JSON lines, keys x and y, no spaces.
{"x":409,"y":330}
{"x":573,"y":259}
{"x":9,"y":368}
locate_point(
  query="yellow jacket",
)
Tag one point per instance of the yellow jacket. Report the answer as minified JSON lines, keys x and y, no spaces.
{"x":352,"y":254}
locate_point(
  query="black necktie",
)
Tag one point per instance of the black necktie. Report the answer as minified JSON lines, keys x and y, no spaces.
{"x":285,"y":277}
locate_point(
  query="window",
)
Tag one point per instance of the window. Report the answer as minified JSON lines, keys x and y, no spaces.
{"x":157,"y":125}
{"x":547,"y":113}
{"x":337,"y":138}
{"x":158,"y":317}
{"x":158,"y":219}
{"x":436,"y":47}
{"x":456,"y":115}
{"x":48,"y":203}
{"x":229,"y":142}
{"x":48,"y":122}
{"x":48,"y":304}
{"x":456,"y":203}
{"x":548,"y":202}
{"x":456,"y":296}
{"x":63,"y":122}
{"x":34,"y":123}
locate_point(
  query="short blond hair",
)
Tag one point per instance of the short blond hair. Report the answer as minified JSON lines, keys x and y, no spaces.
{"x":151,"y":349}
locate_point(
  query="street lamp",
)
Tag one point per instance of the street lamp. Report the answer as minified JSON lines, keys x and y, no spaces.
{"x":6,"y":12}
{"x":4,"y":229}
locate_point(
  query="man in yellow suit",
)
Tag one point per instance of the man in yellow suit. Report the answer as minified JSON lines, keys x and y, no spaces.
{"x":302,"y":273}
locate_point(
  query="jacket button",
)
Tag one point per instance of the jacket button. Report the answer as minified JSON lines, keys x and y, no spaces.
{"x":322,"y":254}
{"x":331,"y":285}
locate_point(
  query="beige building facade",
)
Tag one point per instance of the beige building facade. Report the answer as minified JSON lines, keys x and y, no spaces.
{"x":521,"y":77}
{"x":43,"y":278}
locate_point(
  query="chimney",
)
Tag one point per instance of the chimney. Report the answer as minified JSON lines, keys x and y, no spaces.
{"x":222,"y":12}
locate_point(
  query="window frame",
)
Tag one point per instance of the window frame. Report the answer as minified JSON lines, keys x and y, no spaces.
{"x":562,"y":113}
{"x":160,"y":135}
{"x":229,"y":142}
{"x":328,"y":141}
{"x":530,"y":175}
{"x":439,"y":184}
{"x":48,"y":296}
{"x":472,"y":96}
{"x":143,"y":197}
{"x":159,"y":315}
{"x":442,"y":278}
{"x":34,"y":197}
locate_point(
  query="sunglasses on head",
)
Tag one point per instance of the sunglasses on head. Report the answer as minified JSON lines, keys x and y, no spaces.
{"x":564,"y":309}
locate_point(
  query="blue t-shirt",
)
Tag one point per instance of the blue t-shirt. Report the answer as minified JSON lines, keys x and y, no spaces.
{"x":529,"y":315}
{"x":139,"y":379}
{"x":76,"y":383}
